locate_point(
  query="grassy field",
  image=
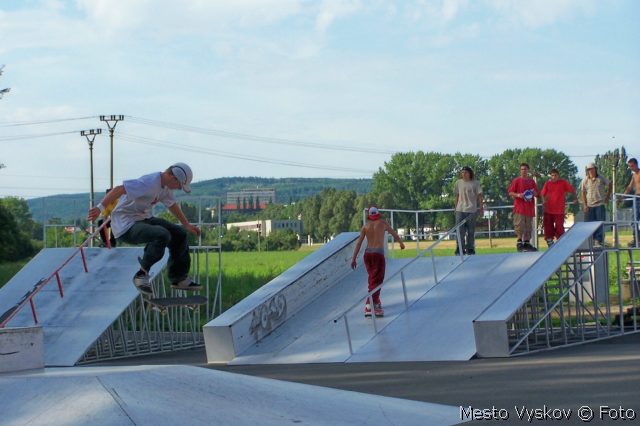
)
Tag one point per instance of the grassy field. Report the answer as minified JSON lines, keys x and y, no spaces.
{"x":9,"y":269}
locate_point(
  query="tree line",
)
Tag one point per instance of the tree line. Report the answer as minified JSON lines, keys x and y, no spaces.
{"x":425,"y":181}
{"x":408,"y":181}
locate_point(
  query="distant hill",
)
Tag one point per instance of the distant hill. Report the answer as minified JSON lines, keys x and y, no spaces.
{"x":70,"y":206}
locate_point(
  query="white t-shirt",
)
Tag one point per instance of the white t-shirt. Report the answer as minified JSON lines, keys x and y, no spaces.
{"x":141,"y":195}
{"x":467,"y":192}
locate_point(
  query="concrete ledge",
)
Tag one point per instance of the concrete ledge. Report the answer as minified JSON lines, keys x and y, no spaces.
{"x":267,"y":308}
{"x":21,"y":349}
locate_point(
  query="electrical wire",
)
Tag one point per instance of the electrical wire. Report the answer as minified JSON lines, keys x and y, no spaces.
{"x":32,"y":123}
{"x":256,"y":138}
{"x":42,"y":135}
{"x":172,"y":145}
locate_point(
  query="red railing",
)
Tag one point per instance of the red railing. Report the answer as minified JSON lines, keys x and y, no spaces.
{"x":29,"y":296}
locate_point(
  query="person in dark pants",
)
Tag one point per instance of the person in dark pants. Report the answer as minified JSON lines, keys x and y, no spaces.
{"x":469,"y":205}
{"x":131,"y":222}
{"x":595,"y":191}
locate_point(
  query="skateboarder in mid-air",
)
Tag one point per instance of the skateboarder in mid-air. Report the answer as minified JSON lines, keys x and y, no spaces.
{"x":132,"y":222}
{"x":374,"y":259}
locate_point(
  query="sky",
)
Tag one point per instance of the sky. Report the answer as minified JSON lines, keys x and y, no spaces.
{"x":300,"y":88}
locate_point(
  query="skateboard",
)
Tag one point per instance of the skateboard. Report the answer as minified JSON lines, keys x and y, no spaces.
{"x":163,"y":304}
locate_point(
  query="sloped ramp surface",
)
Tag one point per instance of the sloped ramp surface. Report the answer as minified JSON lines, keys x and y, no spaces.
{"x":91,"y":302}
{"x":176,"y":395}
{"x":437,"y":326}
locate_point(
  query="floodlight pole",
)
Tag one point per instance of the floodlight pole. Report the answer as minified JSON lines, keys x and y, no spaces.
{"x":91,"y":136}
{"x":112,"y":122}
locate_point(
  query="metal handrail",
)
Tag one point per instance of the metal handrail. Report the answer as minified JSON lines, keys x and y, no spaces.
{"x":400,"y":271}
{"x":29,"y":297}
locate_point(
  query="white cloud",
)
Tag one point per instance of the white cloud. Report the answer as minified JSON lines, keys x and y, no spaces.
{"x":332,"y":10}
{"x":539,"y":13}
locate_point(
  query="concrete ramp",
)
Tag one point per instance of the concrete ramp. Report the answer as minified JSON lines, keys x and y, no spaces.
{"x":92,"y":301}
{"x":492,"y":328}
{"x":439,"y":326}
{"x":177,"y":395}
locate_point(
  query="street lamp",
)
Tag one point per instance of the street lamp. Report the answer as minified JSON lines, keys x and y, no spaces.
{"x":91,"y":136}
{"x":112,"y":121}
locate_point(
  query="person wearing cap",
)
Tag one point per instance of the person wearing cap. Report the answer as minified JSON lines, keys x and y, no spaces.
{"x":634,"y":182}
{"x":374,"y":261}
{"x":553,"y":200}
{"x":132,"y":223}
{"x":595,"y":191}
{"x":523,"y":190}
{"x":469,"y":204}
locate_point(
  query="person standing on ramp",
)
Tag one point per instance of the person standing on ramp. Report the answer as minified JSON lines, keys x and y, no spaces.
{"x":132,"y":223}
{"x":374,"y":230}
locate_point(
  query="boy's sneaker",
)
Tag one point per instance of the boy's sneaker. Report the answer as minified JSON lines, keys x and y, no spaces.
{"x":471,"y":251}
{"x":187,"y":284}
{"x":367,"y":310}
{"x":142,"y":283}
{"x":528,"y":247}
{"x":377,"y":309}
{"x":549,"y":242}
{"x":519,"y":246}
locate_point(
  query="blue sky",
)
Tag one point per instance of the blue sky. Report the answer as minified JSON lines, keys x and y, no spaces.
{"x":331,"y":88}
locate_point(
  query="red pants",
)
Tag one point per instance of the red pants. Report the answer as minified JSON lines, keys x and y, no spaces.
{"x":553,"y":225}
{"x":375,"y":264}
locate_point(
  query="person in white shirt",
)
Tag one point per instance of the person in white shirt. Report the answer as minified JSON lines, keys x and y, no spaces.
{"x":132,"y":223}
{"x":469,"y":204}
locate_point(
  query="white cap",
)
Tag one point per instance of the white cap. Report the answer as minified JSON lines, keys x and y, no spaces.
{"x":183,"y":173}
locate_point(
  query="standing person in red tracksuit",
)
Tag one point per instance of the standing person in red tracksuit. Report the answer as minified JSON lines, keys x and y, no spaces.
{"x":553,"y":201}
{"x":374,"y":259}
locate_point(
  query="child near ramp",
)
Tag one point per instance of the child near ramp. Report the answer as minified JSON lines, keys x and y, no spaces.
{"x":374,"y":230}
{"x":132,"y":223}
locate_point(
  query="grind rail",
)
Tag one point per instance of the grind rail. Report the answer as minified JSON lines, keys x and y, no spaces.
{"x":28,"y":298}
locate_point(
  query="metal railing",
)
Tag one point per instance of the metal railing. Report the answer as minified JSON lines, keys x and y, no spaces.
{"x":143,"y":329}
{"x":428,"y":251}
{"x":421,"y":234}
{"x":28,"y":298}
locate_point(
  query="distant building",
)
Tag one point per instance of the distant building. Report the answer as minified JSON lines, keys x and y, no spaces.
{"x":265,"y":227}
{"x":250,"y":199}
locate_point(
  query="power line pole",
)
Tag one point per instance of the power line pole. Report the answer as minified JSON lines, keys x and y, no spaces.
{"x":112,"y":122}
{"x":91,"y":136}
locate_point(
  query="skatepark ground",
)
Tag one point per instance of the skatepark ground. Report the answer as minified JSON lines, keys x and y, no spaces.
{"x":604,"y":373}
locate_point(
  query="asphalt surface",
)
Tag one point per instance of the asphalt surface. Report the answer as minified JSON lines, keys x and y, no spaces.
{"x":597,"y":375}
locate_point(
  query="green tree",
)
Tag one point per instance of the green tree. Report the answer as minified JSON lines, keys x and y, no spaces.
{"x":280,"y":240}
{"x":615,"y":162}
{"x":20,"y":211}
{"x":15,"y":245}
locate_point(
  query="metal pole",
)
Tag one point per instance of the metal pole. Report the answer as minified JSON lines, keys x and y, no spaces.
{"x":90,"y":135}
{"x":109,"y":119}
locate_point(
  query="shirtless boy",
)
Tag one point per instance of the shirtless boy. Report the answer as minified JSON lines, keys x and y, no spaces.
{"x":374,"y":259}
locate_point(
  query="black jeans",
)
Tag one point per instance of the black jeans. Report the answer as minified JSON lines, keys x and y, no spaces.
{"x":159,"y":234}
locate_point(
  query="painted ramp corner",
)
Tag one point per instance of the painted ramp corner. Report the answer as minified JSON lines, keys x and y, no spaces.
{"x":262,"y":312}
